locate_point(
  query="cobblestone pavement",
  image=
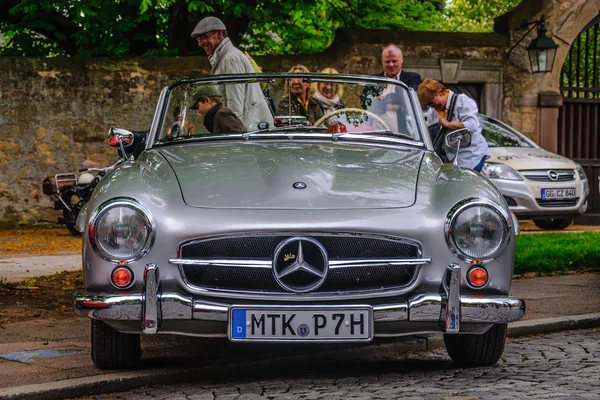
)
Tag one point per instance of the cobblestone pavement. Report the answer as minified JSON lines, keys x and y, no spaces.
{"x":557,"y":366}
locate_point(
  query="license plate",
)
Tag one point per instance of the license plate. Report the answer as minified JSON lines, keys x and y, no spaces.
{"x":301,"y":324}
{"x":568,"y":193}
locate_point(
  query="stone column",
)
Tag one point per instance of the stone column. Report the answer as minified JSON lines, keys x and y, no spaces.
{"x":549,"y":103}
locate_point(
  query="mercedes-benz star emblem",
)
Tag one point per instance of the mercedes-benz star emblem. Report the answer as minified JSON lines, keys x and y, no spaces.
{"x":299,"y":185}
{"x":553,"y":175}
{"x":300,"y":264}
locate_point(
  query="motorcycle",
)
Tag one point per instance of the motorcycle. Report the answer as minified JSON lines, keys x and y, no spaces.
{"x":71,"y":193}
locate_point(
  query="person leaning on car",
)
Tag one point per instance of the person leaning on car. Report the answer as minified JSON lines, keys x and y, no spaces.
{"x":247,"y":101}
{"x":217,"y":117}
{"x":297,"y":98}
{"x":437,"y":100}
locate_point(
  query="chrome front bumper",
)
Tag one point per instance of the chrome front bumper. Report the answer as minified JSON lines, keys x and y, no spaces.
{"x":152,"y":307}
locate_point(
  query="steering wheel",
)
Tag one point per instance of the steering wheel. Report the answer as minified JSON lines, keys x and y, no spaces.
{"x":358,"y":110}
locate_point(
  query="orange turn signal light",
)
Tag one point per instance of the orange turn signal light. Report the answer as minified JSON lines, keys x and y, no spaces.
{"x":477,"y":276}
{"x":122,"y":277}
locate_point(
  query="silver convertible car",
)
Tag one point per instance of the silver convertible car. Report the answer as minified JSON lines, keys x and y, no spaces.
{"x":318,"y":225}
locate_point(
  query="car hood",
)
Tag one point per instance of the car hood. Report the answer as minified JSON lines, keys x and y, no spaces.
{"x":264,"y":175}
{"x":523,"y":158}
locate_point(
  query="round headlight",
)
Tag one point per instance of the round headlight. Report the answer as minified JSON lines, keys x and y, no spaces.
{"x":477,"y":231}
{"x":121,"y":230}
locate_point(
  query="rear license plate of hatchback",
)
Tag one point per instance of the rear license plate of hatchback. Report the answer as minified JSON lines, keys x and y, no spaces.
{"x":568,"y":193}
{"x":301,"y":323}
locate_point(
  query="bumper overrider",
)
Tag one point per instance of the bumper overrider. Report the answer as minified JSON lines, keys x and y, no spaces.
{"x":447,"y":309}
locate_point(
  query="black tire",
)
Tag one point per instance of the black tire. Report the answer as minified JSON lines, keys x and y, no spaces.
{"x":112,"y":349}
{"x":74,"y":200}
{"x":477,"y":350}
{"x":551,"y":223}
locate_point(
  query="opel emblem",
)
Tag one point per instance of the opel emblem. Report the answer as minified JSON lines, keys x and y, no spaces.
{"x":299,"y":185}
{"x":306,"y":270}
{"x":553,"y":175}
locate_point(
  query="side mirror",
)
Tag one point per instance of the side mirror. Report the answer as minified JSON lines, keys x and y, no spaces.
{"x":118,"y":137}
{"x":458,"y":139}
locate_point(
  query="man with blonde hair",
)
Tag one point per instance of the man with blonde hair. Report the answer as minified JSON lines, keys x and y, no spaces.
{"x":297,"y":99}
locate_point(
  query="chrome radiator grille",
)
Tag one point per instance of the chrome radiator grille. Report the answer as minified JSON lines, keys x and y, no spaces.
{"x":244,"y":263}
{"x":559,"y":175}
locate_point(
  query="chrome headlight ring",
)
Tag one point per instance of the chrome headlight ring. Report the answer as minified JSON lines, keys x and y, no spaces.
{"x":449,"y":229}
{"x":138,"y":212}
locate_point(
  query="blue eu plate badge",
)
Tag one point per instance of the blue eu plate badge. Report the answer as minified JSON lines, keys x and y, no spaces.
{"x":239,"y":324}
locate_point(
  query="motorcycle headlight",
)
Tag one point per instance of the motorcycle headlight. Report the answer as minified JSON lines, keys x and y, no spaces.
{"x":477,"y":230}
{"x":581,"y":172}
{"x":121,"y":230}
{"x":500,"y":171}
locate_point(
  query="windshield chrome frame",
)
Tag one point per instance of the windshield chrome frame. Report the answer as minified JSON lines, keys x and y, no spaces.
{"x":161,"y":108}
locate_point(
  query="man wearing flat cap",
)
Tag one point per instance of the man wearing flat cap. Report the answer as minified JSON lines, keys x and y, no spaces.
{"x":217,"y":117}
{"x":247,"y":101}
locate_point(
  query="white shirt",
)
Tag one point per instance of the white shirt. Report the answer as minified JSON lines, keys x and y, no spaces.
{"x":465,"y":111}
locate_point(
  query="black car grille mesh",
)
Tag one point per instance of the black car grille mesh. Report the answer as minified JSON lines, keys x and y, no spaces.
{"x":263,"y":247}
{"x":260,"y":279}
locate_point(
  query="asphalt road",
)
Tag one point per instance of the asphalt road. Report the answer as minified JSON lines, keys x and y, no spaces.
{"x":562,"y":365}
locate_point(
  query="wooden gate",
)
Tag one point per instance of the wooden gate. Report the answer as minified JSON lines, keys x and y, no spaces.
{"x":579,"y":117}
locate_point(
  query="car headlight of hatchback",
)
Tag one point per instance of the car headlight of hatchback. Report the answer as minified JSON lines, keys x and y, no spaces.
{"x":121,"y":230}
{"x":477,"y":230}
{"x":581,"y":172}
{"x":500,"y":171}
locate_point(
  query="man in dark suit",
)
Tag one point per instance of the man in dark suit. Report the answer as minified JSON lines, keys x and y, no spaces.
{"x":391,"y":60}
{"x":384,"y":100}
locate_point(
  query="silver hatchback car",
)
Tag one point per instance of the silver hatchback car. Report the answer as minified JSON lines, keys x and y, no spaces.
{"x":548,"y":188}
{"x":335,"y":226}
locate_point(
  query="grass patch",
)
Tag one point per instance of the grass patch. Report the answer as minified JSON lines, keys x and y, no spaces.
{"x":557,"y":252}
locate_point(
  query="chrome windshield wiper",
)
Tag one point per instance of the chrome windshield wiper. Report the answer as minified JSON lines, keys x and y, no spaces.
{"x":383,"y":132}
{"x":276,"y":129}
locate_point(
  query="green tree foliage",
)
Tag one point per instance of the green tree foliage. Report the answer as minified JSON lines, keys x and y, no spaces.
{"x":474,"y":15}
{"x":80,"y":28}
{"x":162,"y":27}
{"x":309,"y":26}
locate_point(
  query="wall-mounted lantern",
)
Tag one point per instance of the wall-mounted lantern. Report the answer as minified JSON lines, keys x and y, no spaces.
{"x":542,"y":49}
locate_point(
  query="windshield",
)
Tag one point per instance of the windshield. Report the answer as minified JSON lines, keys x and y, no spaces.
{"x":497,"y":135}
{"x":276,"y":103}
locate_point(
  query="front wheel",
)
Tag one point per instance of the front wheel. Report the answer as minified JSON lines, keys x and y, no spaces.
{"x":112,"y":349}
{"x":477,"y":350}
{"x":551,"y":223}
